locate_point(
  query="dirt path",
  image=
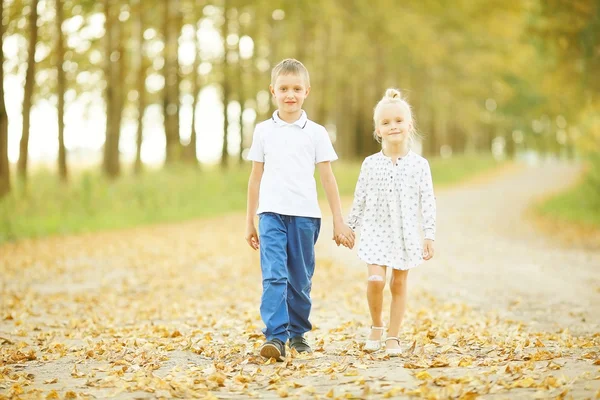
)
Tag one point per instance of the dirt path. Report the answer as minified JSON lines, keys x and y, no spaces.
{"x":171,"y":311}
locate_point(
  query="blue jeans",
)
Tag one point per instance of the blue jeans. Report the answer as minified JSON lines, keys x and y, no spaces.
{"x":287,"y":261}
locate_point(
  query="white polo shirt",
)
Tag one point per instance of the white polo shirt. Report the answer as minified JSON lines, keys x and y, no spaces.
{"x":290,"y":153}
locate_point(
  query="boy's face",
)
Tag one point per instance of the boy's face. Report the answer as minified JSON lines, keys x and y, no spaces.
{"x":289,"y":92}
{"x":393,"y":123}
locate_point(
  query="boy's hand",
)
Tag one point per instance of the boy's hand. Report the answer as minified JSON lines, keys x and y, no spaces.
{"x":252,"y":236}
{"x":339,"y":239}
{"x":343,"y":234}
{"x":428,"y":249}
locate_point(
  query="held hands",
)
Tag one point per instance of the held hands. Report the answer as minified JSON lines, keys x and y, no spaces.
{"x":343,"y":234}
{"x":252,"y":236}
{"x":428,"y":249}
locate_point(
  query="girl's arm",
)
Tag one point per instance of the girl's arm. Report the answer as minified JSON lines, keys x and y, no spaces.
{"x":428,"y":208}
{"x":360,"y":197}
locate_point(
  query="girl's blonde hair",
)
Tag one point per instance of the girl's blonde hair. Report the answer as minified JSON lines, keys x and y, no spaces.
{"x":393,"y":96}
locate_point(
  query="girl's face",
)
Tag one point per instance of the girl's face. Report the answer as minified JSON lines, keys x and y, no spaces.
{"x":393,"y":124}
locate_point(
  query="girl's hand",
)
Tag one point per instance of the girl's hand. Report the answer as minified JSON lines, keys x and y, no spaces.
{"x":252,"y":236}
{"x":343,"y":240}
{"x":428,"y":249}
{"x":343,"y":234}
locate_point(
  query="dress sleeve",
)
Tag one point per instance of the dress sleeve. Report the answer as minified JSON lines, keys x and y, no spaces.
{"x":428,"y":207}
{"x":360,"y":197}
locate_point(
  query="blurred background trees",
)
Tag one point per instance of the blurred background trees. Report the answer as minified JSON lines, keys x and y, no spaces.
{"x":184,"y":81}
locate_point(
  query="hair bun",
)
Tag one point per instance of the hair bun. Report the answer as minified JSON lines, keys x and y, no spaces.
{"x":393,"y":94}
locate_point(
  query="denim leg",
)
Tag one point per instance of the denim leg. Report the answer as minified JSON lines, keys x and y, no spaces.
{"x":302,"y":236}
{"x":273,"y":263}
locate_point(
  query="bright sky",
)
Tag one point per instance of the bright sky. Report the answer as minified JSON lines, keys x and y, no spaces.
{"x":85,"y":125}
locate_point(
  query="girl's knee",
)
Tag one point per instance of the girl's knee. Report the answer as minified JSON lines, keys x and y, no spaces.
{"x":376,"y":282}
{"x":398,"y":283}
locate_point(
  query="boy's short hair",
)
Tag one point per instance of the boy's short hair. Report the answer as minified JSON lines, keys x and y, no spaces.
{"x":290,"y":66}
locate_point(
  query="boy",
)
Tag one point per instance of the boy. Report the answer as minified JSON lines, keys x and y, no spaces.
{"x":282,"y":191}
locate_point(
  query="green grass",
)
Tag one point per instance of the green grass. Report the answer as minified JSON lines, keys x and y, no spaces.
{"x":579,"y":204}
{"x":91,"y":203}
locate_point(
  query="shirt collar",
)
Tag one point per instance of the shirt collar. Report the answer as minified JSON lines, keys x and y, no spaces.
{"x":300,"y":122}
{"x":401,"y":158}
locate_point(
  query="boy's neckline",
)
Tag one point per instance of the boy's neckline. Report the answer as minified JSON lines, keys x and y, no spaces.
{"x":300,"y":121}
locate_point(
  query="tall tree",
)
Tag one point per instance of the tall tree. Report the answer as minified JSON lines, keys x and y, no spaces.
{"x":60,"y":91}
{"x":141,"y":87}
{"x":225,"y":84}
{"x":172,"y":29}
{"x":193,"y":150}
{"x":241,"y":81}
{"x":325,"y":48}
{"x":4,"y":164}
{"x":114,"y":89}
{"x":28,"y":91}
{"x":260,"y":54}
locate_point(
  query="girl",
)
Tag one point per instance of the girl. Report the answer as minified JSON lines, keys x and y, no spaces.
{"x":392,"y":186}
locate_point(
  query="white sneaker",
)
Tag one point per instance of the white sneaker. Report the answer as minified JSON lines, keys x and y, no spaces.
{"x":374,"y":345}
{"x":393,"y":352}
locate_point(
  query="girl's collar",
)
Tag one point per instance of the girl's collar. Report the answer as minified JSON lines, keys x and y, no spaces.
{"x":399,"y":158}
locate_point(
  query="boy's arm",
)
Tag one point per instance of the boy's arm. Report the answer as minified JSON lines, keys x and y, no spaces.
{"x":252,"y":204}
{"x":333,"y":198}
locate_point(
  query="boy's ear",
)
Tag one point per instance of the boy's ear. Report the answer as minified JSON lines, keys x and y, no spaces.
{"x":307,"y":91}
{"x":272,"y":90}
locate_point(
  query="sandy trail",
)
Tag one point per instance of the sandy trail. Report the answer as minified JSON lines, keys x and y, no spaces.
{"x":172,"y":311}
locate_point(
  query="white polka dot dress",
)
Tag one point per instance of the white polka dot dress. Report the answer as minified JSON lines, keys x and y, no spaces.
{"x":394,"y":208}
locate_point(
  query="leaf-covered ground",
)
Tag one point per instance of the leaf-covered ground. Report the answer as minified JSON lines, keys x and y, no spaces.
{"x":502,"y":312}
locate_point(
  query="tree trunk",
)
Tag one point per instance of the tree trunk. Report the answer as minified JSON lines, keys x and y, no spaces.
{"x":510,"y":144}
{"x":172,"y":29}
{"x":430,"y":145}
{"x":457,"y":136}
{"x":241,"y":90}
{"x":342,"y":111}
{"x":325,"y":80}
{"x":193,"y":152}
{"x":141,"y":89}
{"x":440,"y":123}
{"x":114,"y":92}
{"x":360,"y":140}
{"x":302,"y":27}
{"x":256,"y":78}
{"x":4,"y":164}
{"x":489,"y":137}
{"x":28,"y":91}
{"x":260,"y":81}
{"x":225,"y":85}
{"x":61,"y":87}
{"x":346,"y":141}
{"x":275,"y":44}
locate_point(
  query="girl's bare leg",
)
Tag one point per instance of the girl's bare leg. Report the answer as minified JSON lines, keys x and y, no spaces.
{"x":398,"y":306}
{"x":375,"y":286}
